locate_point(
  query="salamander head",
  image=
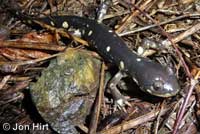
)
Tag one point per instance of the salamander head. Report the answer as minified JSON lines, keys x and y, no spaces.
{"x":159,"y":81}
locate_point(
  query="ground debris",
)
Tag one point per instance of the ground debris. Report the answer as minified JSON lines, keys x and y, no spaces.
{"x":166,"y":31}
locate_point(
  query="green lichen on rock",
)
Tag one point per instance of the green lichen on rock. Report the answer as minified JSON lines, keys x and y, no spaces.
{"x":65,"y":91}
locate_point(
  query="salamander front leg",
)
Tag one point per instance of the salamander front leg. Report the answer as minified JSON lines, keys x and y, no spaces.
{"x":119,"y":99}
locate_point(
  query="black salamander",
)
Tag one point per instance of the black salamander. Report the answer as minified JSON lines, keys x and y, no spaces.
{"x":151,"y":76}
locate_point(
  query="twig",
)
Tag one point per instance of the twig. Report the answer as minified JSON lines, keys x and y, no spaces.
{"x":96,"y":111}
{"x":15,"y":65}
{"x":187,"y":33}
{"x":155,"y":25}
{"x":132,"y":123}
{"x":174,"y":107}
{"x":183,"y":108}
{"x":4,"y":81}
{"x":158,"y":118}
{"x":19,"y":96}
{"x":31,"y":45}
{"x":129,"y":18}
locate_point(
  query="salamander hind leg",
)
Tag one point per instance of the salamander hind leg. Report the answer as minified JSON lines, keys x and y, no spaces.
{"x":119,"y":100}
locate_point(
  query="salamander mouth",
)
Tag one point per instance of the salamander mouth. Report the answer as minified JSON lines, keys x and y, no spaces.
{"x":164,"y":95}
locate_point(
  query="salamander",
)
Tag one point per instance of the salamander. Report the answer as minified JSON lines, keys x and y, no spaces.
{"x":151,"y":76}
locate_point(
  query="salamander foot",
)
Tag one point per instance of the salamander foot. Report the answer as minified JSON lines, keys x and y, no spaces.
{"x":120,"y":104}
{"x":119,"y":101}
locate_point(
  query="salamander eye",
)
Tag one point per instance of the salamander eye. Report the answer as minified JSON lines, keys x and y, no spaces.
{"x":158,"y":85}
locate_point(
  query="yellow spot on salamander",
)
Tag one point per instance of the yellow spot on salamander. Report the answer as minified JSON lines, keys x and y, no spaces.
{"x":108,"y":48}
{"x":135,"y":80}
{"x":65,"y":24}
{"x":29,"y":21}
{"x":138,"y":59}
{"x":52,"y":23}
{"x":110,"y":31}
{"x":90,"y":33}
{"x":149,"y":91}
{"x":121,"y":65}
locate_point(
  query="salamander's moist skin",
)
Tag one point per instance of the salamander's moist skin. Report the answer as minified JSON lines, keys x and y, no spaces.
{"x":151,"y":76}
